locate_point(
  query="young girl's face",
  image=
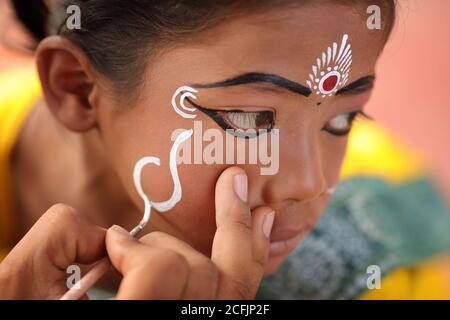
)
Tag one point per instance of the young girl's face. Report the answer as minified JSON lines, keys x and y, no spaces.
{"x":312,"y":129}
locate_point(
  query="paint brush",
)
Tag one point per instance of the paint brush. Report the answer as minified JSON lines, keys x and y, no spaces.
{"x":90,"y":279}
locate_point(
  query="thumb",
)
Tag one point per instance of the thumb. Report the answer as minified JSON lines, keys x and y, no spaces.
{"x":122,"y":248}
{"x":148,"y":272}
{"x":242,"y":241}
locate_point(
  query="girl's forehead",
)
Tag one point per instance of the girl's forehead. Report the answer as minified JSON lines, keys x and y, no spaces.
{"x":320,"y":20}
{"x":295,"y":60}
{"x":283,"y":42}
{"x":295,"y":35}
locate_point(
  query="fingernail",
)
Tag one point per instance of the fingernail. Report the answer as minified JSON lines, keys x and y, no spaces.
{"x":241,"y":186}
{"x":268,"y":224}
{"x":120,"y":232}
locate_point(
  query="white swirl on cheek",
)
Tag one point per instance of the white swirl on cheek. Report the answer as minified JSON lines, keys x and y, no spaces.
{"x":138,"y":185}
{"x":188,"y":92}
{"x":177,"y":190}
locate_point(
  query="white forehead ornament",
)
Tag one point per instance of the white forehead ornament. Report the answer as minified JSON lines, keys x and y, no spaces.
{"x":330,"y":73}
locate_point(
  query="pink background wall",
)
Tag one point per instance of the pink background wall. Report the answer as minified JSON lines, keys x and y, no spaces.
{"x":412,"y":97}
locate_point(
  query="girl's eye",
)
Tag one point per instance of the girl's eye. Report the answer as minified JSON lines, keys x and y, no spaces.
{"x":240,"y":120}
{"x":341,"y":124}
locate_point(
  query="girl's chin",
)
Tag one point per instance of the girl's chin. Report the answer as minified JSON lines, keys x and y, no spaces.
{"x":273,"y":264}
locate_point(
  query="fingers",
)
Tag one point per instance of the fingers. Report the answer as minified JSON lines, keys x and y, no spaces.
{"x":36,"y":267}
{"x":241,"y":244}
{"x":148,"y":272}
{"x":262,"y":220}
{"x":203,"y":274}
{"x":63,"y":237}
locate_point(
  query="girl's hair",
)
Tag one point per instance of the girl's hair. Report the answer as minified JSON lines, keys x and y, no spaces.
{"x":119,"y":36}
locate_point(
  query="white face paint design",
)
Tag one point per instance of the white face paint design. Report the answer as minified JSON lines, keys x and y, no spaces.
{"x":330,"y":73}
{"x":177,"y":190}
{"x":188,"y":92}
{"x":331,"y":191}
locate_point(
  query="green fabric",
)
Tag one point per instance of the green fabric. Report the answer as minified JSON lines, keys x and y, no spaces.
{"x":368,"y":222}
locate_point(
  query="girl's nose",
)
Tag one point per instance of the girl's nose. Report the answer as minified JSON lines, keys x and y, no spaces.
{"x":301,"y":175}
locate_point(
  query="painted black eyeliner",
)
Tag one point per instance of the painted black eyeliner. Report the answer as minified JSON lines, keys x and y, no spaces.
{"x":353,"y":117}
{"x":217,"y":118}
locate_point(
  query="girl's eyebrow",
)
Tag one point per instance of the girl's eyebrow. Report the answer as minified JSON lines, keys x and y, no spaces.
{"x":357,"y":86}
{"x":362,"y":84}
{"x":258,"y":77}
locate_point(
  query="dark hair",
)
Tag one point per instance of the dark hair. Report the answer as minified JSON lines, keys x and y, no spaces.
{"x":118,"y":36}
{"x":33,"y":14}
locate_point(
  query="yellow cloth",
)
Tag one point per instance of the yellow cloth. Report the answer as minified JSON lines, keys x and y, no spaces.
{"x":426,"y":281}
{"x":18,"y":91}
{"x":371,"y":151}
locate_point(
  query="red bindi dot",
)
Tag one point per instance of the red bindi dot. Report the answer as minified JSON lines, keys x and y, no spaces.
{"x":332,"y":69}
{"x":330,"y":83}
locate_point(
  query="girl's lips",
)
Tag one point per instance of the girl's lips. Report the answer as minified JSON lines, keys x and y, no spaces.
{"x":284,"y":247}
{"x":279,"y":248}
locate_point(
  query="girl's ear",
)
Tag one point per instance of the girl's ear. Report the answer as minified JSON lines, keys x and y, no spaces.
{"x":68,"y":82}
